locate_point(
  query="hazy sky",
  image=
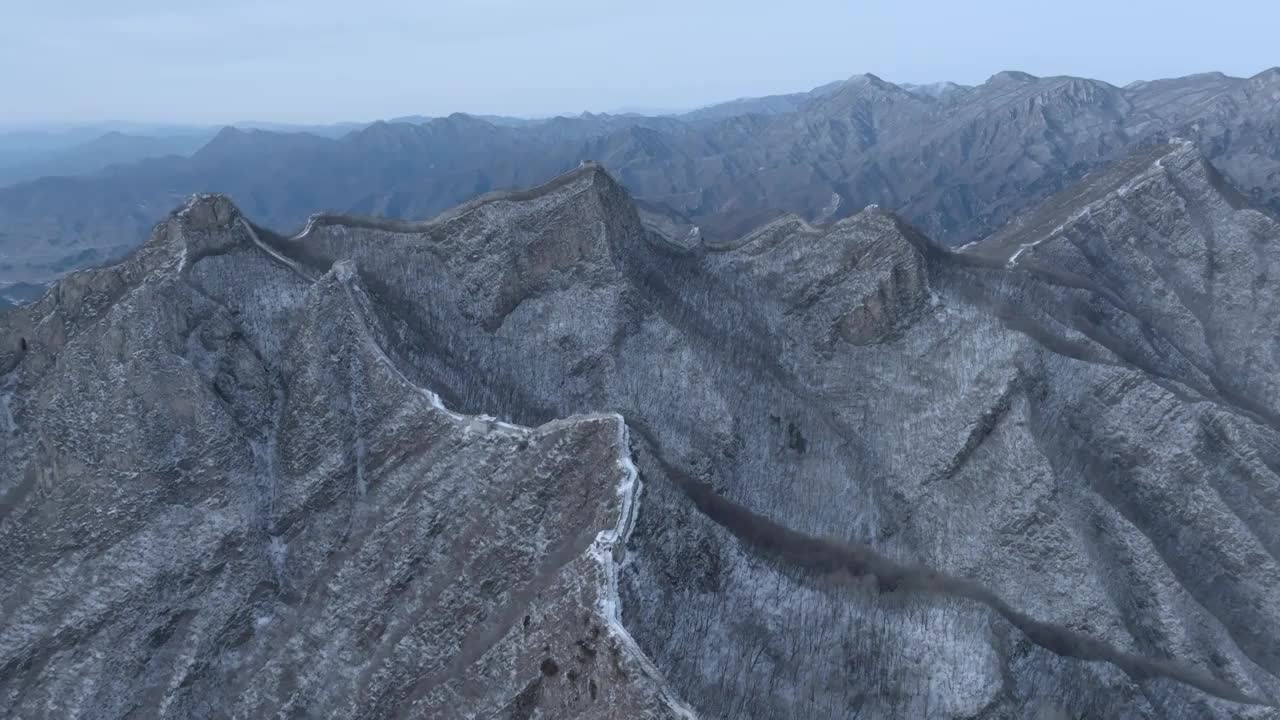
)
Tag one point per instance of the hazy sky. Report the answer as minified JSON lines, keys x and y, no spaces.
{"x":217,"y":61}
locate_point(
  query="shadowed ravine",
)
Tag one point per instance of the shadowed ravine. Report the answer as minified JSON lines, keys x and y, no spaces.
{"x":858,"y":563}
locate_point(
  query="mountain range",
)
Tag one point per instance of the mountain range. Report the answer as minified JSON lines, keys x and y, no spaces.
{"x":112,"y":148}
{"x":958,"y":162}
{"x":536,"y":458}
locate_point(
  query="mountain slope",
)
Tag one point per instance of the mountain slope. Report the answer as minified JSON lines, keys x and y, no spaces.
{"x":881,"y":478}
{"x":767,"y":105}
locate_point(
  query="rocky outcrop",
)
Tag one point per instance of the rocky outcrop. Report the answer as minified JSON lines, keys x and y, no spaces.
{"x":881,"y":478}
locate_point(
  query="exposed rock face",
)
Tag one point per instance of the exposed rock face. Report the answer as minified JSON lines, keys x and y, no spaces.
{"x":1084,"y":431}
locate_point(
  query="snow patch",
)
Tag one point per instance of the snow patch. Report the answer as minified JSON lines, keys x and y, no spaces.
{"x":278,"y":552}
{"x":1084,"y":212}
{"x":311,"y":223}
{"x":1013,"y":259}
{"x":833,"y":204}
{"x":270,"y":251}
{"x":609,"y":550}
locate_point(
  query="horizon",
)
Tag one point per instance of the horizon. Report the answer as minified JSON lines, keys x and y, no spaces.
{"x":312,"y":62}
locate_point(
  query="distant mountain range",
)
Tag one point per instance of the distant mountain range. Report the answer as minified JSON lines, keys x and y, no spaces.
{"x":32,"y":153}
{"x":100,"y":153}
{"x":958,"y":162}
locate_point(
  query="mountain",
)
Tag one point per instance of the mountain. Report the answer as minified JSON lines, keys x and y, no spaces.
{"x":394,"y":468}
{"x":397,"y":169}
{"x":20,"y":146}
{"x":98,"y":154}
{"x":936,"y":90}
{"x":30,"y":153}
{"x":23,"y":144}
{"x":958,"y":164}
{"x":278,"y":527}
{"x":767,"y":105}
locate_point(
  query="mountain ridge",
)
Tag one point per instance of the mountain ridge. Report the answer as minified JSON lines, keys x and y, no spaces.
{"x":851,"y":380}
{"x":959,"y":166}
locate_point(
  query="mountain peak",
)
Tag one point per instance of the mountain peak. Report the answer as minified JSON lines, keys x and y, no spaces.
{"x":238,"y":141}
{"x":226,"y":137}
{"x":208,"y":211}
{"x":467,"y":119}
{"x":870,"y":80}
{"x":1011,"y":76}
{"x":1269,"y":79}
{"x":207,"y":224}
{"x":869,"y":85}
{"x":934,"y":90}
{"x":860,"y":89}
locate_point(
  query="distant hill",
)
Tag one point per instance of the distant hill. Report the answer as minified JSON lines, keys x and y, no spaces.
{"x":767,"y":105}
{"x":29,"y":154}
{"x":97,"y":154}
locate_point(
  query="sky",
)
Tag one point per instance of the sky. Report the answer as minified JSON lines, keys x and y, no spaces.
{"x":319,"y":61}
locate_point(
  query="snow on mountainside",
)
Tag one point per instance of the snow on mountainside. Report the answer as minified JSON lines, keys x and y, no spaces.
{"x":880,"y":478}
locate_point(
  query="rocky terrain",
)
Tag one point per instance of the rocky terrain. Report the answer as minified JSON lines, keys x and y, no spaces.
{"x":957,"y":162}
{"x":388,"y":468}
